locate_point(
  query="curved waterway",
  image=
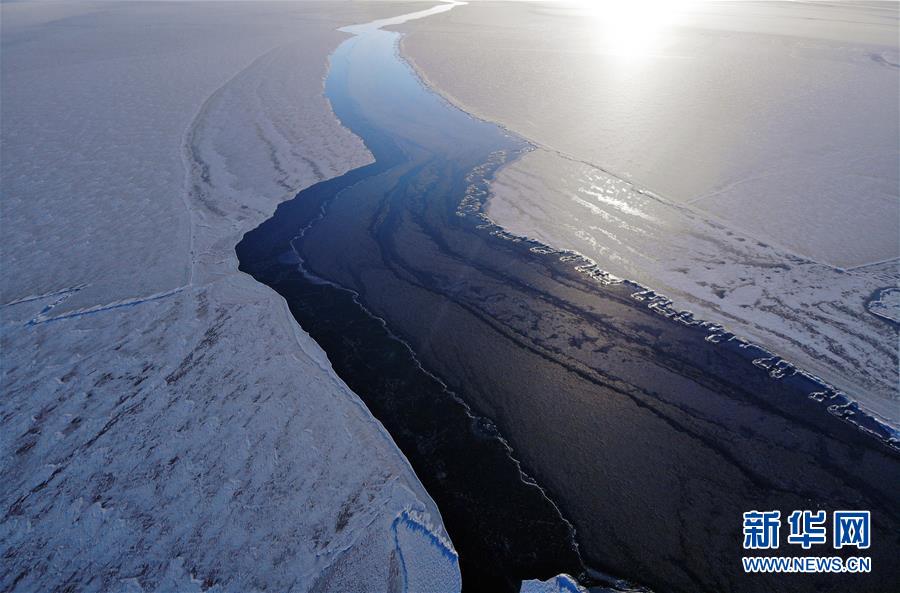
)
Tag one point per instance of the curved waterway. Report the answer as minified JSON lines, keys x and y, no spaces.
{"x":531,"y":396}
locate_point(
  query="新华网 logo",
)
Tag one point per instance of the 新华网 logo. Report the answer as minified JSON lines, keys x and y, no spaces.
{"x":806,"y":529}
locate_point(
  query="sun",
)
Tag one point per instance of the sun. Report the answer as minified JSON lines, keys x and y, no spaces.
{"x":633,"y":28}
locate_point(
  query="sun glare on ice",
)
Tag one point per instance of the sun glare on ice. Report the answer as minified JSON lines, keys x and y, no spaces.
{"x":633,"y":28}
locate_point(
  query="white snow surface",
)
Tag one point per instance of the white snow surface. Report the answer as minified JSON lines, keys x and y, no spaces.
{"x":164,"y":423}
{"x":559,"y":584}
{"x":778,"y":117}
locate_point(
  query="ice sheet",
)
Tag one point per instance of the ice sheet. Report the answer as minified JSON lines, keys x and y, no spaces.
{"x":779,"y":118}
{"x":165,"y":425}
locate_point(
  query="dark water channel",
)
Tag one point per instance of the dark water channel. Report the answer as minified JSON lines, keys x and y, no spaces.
{"x":651,"y":439}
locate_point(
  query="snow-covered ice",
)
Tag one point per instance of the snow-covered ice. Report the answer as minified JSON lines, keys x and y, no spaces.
{"x":886,"y":304}
{"x":165,"y":425}
{"x":780,"y":118}
{"x":559,"y":584}
{"x":564,"y":583}
{"x":738,"y":157}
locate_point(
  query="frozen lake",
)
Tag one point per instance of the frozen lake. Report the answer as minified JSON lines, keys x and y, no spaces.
{"x":637,"y":421}
{"x":738,"y":157}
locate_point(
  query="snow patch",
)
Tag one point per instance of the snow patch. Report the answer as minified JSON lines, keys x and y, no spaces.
{"x":173,"y":401}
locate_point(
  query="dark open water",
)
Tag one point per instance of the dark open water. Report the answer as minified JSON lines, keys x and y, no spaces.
{"x":651,"y":439}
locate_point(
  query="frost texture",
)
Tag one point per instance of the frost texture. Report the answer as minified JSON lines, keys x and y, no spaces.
{"x":165,"y":425}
